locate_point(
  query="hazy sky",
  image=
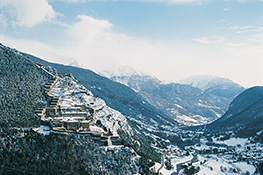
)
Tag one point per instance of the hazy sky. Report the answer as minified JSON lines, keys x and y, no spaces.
{"x":171,"y":39}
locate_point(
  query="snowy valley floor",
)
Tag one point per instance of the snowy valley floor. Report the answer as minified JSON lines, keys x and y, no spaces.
{"x":212,"y":154}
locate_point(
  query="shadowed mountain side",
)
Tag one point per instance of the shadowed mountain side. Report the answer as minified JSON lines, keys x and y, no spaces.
{"x":186,"y":104}
{"x":20,"y":89}
{"x":245,"y":112}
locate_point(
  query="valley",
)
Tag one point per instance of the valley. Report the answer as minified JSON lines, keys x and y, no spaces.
{"x":204,"y":152}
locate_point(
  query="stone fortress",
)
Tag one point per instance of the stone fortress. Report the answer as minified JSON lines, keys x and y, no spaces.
{"x":76,"y":119}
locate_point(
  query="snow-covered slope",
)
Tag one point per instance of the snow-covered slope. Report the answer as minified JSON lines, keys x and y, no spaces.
{"x":69,"y":90}
{"x":143,"y":117}
{"x":214,"y":85}
{"x":24,"y":146}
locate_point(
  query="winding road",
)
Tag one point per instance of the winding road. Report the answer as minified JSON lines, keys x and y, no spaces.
{"x":162,"y":162}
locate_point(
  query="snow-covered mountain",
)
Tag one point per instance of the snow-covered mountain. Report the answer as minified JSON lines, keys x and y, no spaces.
{"x":120,"y":71}
{"x":186,"y":104}
{"x":149,"y":122}
{"x":214,"y":85}
{"x":25,"y":87}
{"x":76,"y":64}
{"x":69,"y":90}
{"x":245,"y":112}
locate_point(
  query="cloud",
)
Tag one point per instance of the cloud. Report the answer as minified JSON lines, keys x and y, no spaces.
{"x":3,"y":21}
{"x":26,"y":13}
{"x":92,"y":29}
{"x":247,"y":29}
{"x":244,"y":1}
{"x":227,"y":9}
{"x":71,"y":1}
{"x":210,"y":40}
{"x":95,"y":45}
{"x":177,"y":1}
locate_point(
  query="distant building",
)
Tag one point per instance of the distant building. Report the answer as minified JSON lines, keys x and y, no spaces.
{"x":74,"y":112}
{"x":51,"y":111}
{"x":71,"y":125}
{"x":41,"y":113}
{"x":84,"y":124}
{"x":50,"y":85}
{"x":73,"y":119}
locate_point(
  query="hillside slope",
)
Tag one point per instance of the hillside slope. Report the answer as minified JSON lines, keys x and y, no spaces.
{"x":142,"y":116}
{"x":20,"y":89}
{"x":25,"y":150}
{"x":245,"y":112}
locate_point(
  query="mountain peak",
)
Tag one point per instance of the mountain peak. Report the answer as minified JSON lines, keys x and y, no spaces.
{"x":204,"y":81}
{"x":121,"y":71}
{"x":76,"y":64}
{"x":214,"y":85}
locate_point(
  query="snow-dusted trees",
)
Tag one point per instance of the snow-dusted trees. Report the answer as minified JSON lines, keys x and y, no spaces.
{"x":20,"y":89}
{"x":60,"y":154}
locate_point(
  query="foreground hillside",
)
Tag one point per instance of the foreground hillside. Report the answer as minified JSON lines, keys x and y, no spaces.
{"x":29,"y":152}
{"x":148,"y":121}
{"x":20,"y":89}
{"x":26,"y":148}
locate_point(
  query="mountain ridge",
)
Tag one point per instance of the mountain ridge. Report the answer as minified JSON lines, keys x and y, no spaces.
{"x":26,"y":147}
{"x":142,"y":116}
{"x":244,"y":110}
{"x":196,"y":106}
{"x":215,"y":85}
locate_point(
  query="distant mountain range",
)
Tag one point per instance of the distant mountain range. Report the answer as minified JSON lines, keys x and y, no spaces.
{"x":245,"y":113}
{"x":190,"y":103}
{"x":214,"y":85}
{"x":154,"y":107}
